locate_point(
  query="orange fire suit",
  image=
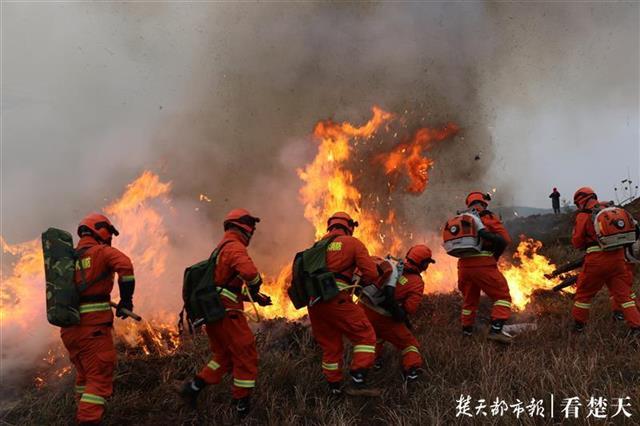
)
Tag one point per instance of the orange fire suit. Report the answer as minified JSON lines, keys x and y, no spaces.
{"x":90,"y":344}
{"x":340,"y":316}
{"x":231,"y":341}
{"x":480,"y":273}
{"x":631,"y":271}
{"x":408,"y":294}
{"x":600,"y":268}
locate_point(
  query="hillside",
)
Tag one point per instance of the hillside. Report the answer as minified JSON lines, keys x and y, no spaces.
{"x":551,"y":360}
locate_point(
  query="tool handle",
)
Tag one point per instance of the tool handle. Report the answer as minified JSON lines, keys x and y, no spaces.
{"x":127,"y":312}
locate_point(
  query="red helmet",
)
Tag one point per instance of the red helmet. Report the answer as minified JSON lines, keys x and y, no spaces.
{"x":419,"y":256}
{"x":478,"y":197}
{"x":583,"y":195}
{"x":242,"y":219}
{"x":97,"y":225}
{"x":342,"y":220}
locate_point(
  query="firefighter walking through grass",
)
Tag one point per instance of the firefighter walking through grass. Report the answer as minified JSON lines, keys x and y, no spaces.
{"x":602,"y":264}
{"x":340,"y":316}
{"x":478,"y":271}
{"x":231,"y":340}
{"x":90,"y":344}
{"x":390,"y":318}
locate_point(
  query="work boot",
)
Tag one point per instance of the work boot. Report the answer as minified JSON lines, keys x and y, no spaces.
{"x":243,"y":406}
{"x":412,"y":374}
{"x":358,"y":377}
{"x":618,"y":316}
{"x":467,"y":330}
{"x":377,"y":365}
{"x":335,"y":389}
{"x":578,"y":327}
{"x":358,"y":385}
{"x":190,"y":390}
{"x":497,"y":334}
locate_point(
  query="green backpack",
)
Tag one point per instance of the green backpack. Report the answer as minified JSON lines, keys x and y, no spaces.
{"x":62,"y":292}
{"x":311,"y":281}
{"x":201,"y":296}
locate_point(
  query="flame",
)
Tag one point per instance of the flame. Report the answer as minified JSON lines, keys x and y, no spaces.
{"x":407,"y":158}
{"x":526,"y":273}
{"x":328,"y":183}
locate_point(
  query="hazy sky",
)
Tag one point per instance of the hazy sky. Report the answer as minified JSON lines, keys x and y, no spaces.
{"x":94,"y":93}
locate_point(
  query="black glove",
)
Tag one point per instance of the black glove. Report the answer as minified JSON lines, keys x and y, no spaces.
{"x":124,"y":304}
{"x":498,"y":244}
{"x":126,"y":298}
{"x":398,"y":313}
{"x":262,"y":299}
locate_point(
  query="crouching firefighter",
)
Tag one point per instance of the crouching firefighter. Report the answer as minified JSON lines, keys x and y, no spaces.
{"x":478,"y":238}
{"x":79,"y":284}
{"x":389,"y":305}
{"x":214,"y":291}
{"x":603,"y":232}
{"x":321,"y":280}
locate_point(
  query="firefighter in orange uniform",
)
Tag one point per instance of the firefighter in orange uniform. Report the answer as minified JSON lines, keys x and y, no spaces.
{"x":90,"y":344}
{"x":231,"y":340}
{"x":340,"y":316}
{"x":600,"y":267}
{"x":390,"y":324}
{"x":480,"y":272}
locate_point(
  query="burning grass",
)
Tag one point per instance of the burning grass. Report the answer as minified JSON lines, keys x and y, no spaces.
{"x":291,"y":389}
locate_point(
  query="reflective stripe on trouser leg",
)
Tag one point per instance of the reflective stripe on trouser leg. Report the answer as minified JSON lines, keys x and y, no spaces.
{"x":582,"y":305}
{"x":244,"y":383}
{"x":364,"y":348}
{"x":330,"y":366}
{"x":90,"y":398}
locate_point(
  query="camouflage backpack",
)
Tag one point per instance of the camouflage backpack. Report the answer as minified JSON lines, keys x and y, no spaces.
{"x":62,"y":292}
{"x":311,"y":281}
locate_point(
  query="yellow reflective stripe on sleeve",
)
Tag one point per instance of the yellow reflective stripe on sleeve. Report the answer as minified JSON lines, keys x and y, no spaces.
{"x":594,"y":249}
{"x":255,"y":281}
{"x":632,"y":295}
{"x":80,"y":389}
{"x":582,"y":305}
{"x":364,"y":348}
{"x":504,"y":303}
{"x":467,"y":312}
{"x":92,"y":399}
{"x":402,"y":280}
{"x":94,"y":307}
{"x":213,"y":365}
{"x":244,"y":383}
{"x":481,"y":254}
{"x":342,"y":286}
{"x":229,"y":295}
{"x":127,"y":278}
{"x":331,"y":366}
{"x":630,"y":304}
{"x":410,"y":349}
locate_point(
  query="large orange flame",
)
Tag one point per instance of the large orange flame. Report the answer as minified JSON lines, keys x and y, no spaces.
{"x":408,"y":158}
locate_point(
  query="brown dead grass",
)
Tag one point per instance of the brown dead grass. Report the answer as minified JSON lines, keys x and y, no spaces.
{"x":601,"y":362}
